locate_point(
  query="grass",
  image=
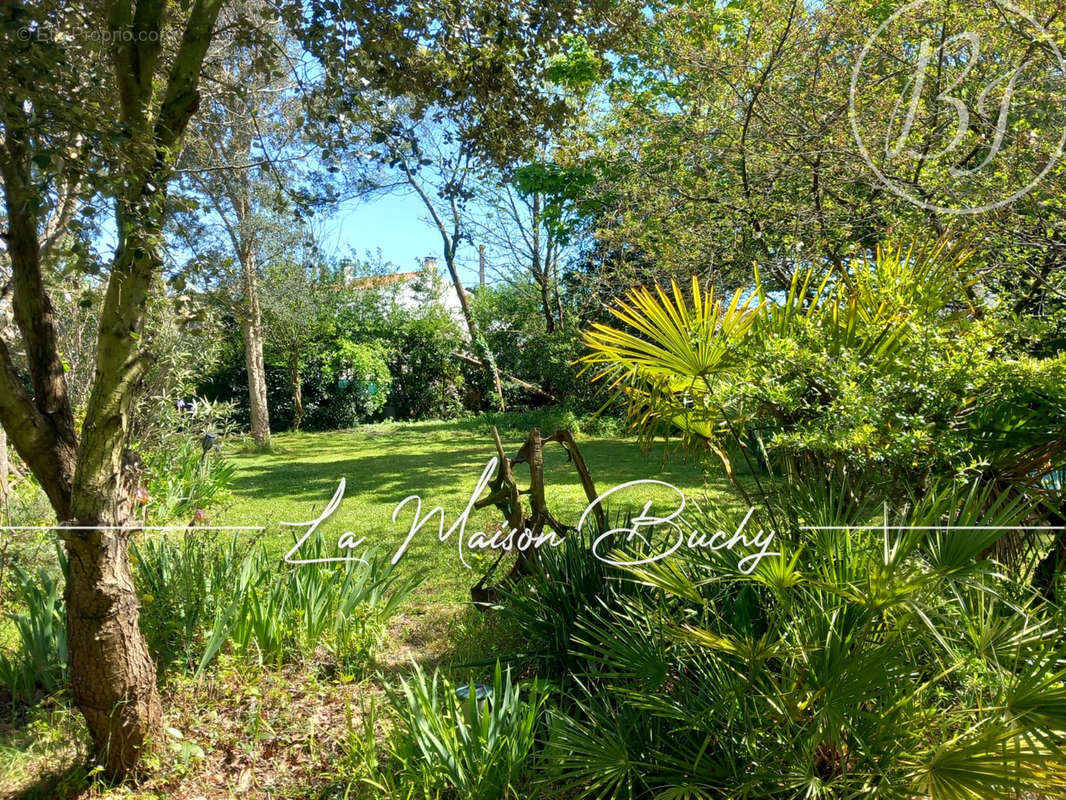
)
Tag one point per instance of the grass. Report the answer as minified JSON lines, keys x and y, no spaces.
{"x":440,"y":463}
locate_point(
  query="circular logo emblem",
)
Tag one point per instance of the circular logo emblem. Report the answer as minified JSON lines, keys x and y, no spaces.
{"x":958,"y":107}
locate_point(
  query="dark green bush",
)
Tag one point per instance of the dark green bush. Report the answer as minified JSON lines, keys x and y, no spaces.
{"x":427,"y":380}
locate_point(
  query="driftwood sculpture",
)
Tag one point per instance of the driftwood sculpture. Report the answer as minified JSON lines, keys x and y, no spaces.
{"x":504,"y":493}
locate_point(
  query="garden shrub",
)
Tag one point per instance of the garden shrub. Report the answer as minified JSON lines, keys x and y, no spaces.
{"x":427,"y":380}
{"x":39,"y":658}
{"x":354,"y":386}
{"x":471,"y":750}
{"x":514,"y":329}
{"x":891,"y":367}
{"x":854,"y":664}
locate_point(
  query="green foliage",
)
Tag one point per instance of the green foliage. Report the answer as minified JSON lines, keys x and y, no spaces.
{"x":361,"y":373}
{"x":572,"y":587}
{"x":40,"y":657}
{"x":182,"y":584}
{"x":720,"y":144}
{"x":495,"y":81}
{"x":427,"y":381}
{"x":565,"y":191}
{"x":855,"y":664}
{"x":183,"y":479}
{"x":199,"y":595}
{"x":578,"y":67}
{"x":407,"y":354}
{"x":27,"y":504}
{"x":472,"y":750}
{"x":514,"y":327}
{"x":888,"y":367}
{"x":276,"y":612}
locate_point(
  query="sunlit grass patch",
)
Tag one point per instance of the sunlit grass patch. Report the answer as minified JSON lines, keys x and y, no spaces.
{"x":439,"y":462}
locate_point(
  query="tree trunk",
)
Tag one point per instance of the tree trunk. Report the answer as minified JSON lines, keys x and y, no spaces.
{"x":477,"y":341}
{"x":252,"y":332}
{"x":297,"y":392}
{"x":539,"y":269}
{"x":546,"y":304}
{"x":112,"y":673}
{"x":552,"y":269}
{"x":451,"y":241}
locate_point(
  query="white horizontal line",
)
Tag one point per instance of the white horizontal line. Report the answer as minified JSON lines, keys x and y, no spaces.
{"x":931,"y":528}
{"x":131,"y":527}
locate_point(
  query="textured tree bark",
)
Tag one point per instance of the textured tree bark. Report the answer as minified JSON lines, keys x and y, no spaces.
{"x":42,"y":426}
{"x":112,"y":673}
{"x":252,"y":332}
{"x":297,"y":392}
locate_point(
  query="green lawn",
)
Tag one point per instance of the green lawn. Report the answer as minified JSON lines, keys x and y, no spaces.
{"x":440,"y":462}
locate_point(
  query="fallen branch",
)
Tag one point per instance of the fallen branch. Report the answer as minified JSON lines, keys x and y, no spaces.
{"x":527,"y":386}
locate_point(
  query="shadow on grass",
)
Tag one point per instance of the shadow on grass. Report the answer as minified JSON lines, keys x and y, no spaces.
{"x":439,"y":463}
{"x":44,"y":752}
{"x":389,"y":477}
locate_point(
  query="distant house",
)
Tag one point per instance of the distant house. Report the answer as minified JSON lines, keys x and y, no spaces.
{"x":412,"y":290}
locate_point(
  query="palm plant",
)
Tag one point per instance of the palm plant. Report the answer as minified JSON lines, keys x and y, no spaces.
{"x":715,"y":372}
{"x":898,"y":661}
{"x":664,"y":367}
{"x":887,"y":374}
{"x":893,"y":664}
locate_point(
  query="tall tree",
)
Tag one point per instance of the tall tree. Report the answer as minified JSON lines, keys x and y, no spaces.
{"x":133,"y":97}
{"x":401,"y":80}
{"x":728,"y":136}
{"x":529,"y":220}
{"x":242,"y":167}
{"x":439,"y":167}
{"x":301,"y":300}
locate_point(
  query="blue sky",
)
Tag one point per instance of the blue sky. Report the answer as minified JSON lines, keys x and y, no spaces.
{"x":396,"y":224}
